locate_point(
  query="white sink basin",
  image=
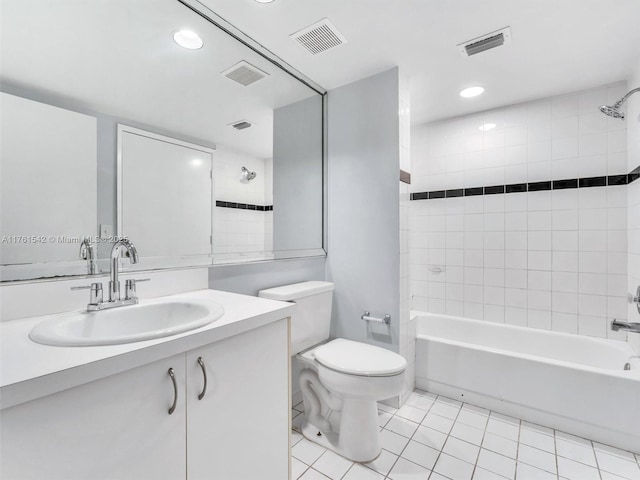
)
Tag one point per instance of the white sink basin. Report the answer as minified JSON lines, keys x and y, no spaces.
{"x":125,"y":324}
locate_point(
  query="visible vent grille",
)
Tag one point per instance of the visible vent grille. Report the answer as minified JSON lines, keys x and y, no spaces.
{"x":244,"y":73}
{"x":485,"y":42}
{"x":241,"y":125}
{"x":319,"y":37}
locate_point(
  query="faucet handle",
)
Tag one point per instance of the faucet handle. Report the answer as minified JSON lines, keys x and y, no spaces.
{"x":96,"y":292}
{"x":130,"y":287}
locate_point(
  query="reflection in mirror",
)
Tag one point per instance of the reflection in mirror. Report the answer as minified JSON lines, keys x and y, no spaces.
{"x":91,"y":66}
{"x":164,"y":194}
{"x":48,"y":186}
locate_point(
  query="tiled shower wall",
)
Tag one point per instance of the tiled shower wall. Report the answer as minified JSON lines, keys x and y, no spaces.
{"x":633,"y":219}
{"x":407,"y":341}
{"x":238,"y":230}
{"x":551,"y":259}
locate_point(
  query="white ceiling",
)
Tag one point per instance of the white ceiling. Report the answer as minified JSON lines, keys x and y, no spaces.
{"x":558,"y":45}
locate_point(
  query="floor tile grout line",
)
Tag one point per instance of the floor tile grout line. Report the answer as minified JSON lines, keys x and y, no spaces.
{"x":348,"y":470}
{"x":555,"y":449}
{"x":433,"y":470}
{"x":484,"y":434}
{"x":595,"y":455}
{"x":455,"y":421}
{"x":411,"y":439}
{"x":515,"y":475}
{"x":413,"y":435}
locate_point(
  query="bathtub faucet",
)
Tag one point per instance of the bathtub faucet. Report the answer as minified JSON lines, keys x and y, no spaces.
{"x":629,"y":327}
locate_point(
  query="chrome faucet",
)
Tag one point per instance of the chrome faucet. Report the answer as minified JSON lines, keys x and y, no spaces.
{"x":625,"y":326}
{"x":120,"y":248}
{"x":88,"y":253}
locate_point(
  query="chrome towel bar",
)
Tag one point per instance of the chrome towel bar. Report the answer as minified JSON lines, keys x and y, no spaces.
{"x":366,"y":316}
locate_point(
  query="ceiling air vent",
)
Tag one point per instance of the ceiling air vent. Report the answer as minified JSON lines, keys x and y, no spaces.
{"x":241,"y":125}
{"x":244,"y":73}
{"x":485,"y":42}
{"x":319,"y":37}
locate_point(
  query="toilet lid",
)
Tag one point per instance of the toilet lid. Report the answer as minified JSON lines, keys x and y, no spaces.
{"x":358,"y":358}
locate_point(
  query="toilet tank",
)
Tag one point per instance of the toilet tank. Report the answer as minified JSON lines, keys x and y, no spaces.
{"x":311,"y":321}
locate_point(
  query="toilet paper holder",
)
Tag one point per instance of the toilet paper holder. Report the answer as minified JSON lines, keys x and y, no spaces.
{"x":366,"y":316}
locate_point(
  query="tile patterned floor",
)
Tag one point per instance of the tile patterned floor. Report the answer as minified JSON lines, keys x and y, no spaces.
{"x":437,"y":438}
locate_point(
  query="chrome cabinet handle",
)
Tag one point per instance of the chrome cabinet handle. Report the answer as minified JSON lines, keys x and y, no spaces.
{"x":204,"y":374}
{"x":175,"y":391}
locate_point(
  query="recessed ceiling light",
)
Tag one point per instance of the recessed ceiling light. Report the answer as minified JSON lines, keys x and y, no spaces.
{"x":487,"y":126}
{"x":471,"y":92}
{"x":188,"y":39}
{"x":264,"y":1}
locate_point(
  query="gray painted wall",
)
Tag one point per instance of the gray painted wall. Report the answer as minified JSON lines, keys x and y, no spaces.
{"x":363,"y":210}
{"x":297,"y":170}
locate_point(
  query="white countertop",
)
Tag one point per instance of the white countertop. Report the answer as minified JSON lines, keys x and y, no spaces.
{"x":29,"y":370}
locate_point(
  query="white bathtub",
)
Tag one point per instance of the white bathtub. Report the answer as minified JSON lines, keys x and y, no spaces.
{"x":572,"y":383}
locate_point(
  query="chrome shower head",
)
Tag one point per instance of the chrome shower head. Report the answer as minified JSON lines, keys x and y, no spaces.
{"x":246,"y":175}
{"x":612,"y":111}
{"x":615,"y":110}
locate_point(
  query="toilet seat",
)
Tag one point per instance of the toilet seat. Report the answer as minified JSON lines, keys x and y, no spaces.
{"x":356,"y":358}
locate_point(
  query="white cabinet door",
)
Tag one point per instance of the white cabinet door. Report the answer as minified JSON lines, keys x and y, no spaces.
{"x":240,"y":429}
{"x":114,"y":428}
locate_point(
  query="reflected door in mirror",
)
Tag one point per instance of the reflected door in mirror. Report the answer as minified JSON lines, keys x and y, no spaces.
{"x":166,"y":194}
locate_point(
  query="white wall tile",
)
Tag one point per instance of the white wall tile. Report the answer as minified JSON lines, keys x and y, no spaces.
{"x":516,"y":259}
{"x":549,"y":259}
{"x":592,"y":145}
{"x":515,"y":316}
{"x":539,"y":280}
{"x":565,"y":261}
{"x":592,"y":326}
{"x":540,"y":319}
{"x":564,"y":322}
{"x":564,"y":106}
{"x":539,"y":240}
{"x":564,"y":282}
{"x":564,"y":199}
{"x":564,"y":302}
{"x":515,"y":278}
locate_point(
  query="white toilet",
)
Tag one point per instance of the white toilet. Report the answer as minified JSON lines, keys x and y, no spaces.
{"x":342,"y":380}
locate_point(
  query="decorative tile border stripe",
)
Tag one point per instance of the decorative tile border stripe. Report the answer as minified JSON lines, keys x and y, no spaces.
{"x":244,"y":206}
{"x":603,"y":181}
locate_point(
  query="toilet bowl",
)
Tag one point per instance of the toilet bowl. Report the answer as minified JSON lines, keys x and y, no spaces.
{"x":340,"y":392}
{"x":342,"y":380}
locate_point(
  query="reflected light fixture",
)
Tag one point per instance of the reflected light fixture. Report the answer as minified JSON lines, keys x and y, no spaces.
{"x":472,"y":92}
{"x":487,"y":126}
{"x":196,"y":162}
{"x":188,"y":39}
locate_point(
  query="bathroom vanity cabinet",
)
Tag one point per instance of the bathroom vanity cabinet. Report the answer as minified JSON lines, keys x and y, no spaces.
{"x":240,"y":428}
{"x":118,"y":427}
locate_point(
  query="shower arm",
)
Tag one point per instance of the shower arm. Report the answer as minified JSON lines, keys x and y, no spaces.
{"x":620,"y":102}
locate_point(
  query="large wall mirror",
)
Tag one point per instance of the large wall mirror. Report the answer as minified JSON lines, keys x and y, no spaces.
{"x":203,"y":153}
